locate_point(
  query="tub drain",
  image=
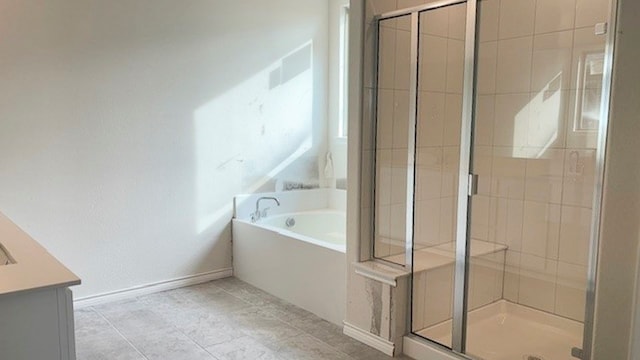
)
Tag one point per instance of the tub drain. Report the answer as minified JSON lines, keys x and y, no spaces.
{"x":532,"y":357}
{"x":290,"y":222}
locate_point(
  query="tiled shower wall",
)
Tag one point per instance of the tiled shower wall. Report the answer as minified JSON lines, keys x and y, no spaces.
{"x":539,"y":76}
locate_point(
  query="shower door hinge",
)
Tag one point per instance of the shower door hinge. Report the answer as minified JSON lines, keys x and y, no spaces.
{"x":577,"y":353}
{"x":473,"y":185}
{"x":601,"y":28}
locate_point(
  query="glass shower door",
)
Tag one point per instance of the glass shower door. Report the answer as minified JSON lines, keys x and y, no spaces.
{"x":438,"y":128}
{"x":538,"y":95}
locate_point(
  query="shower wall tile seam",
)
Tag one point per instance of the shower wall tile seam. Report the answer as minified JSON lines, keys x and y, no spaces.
{"x":590,"y":26}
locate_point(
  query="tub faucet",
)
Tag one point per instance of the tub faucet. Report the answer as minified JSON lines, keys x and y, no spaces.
{"x":257,"y":215}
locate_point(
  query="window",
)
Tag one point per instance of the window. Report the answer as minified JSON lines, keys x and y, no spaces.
{"x":343,"y":117}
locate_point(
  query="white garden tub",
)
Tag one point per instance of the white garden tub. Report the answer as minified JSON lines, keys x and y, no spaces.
{"x":303,"y":262}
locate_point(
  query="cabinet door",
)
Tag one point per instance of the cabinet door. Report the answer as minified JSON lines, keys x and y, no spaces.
{"x":37,"y":325}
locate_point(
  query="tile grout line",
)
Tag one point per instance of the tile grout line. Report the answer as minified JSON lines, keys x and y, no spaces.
{"x":250,"y":305}
{"x":138,"y":298}
{"x":119,"y":333}
{"x":303,"y":332}
{"x":188,"y":336}
{"x":329,"y":345}
{"x":322,"y":341}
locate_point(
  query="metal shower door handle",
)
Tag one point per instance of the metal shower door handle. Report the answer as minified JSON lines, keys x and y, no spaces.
{"x":473,"y":184}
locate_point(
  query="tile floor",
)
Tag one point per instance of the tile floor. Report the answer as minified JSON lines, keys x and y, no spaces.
{"x":220,"y":320}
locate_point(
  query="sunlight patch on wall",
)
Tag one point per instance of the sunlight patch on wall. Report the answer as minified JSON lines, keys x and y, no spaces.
{"x":249,"y":134}
{"x":538,"y":124}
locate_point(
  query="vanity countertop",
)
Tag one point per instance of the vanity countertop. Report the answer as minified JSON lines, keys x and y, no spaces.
{"x":34,"y":267}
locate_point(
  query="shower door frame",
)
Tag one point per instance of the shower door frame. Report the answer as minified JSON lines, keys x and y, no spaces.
{"x":467,"y":181}
{"x":601,"y":151}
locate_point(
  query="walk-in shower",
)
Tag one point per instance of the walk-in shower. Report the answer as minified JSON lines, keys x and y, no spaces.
{"x":490,"y":121}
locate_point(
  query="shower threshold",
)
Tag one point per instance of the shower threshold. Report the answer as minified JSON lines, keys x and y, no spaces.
{"x":507,"y":331}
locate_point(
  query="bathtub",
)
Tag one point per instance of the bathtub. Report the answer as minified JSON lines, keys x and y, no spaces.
{"x":296,"y":252}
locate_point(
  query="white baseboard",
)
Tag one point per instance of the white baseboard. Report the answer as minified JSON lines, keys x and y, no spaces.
{"x":368,"y":338}
{"x":151,"y":288}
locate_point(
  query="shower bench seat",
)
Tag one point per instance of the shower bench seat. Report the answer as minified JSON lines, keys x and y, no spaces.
{"x":433,"y":279}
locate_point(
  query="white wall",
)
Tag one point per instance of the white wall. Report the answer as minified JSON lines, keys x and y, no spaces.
{"x":128,"y":126}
